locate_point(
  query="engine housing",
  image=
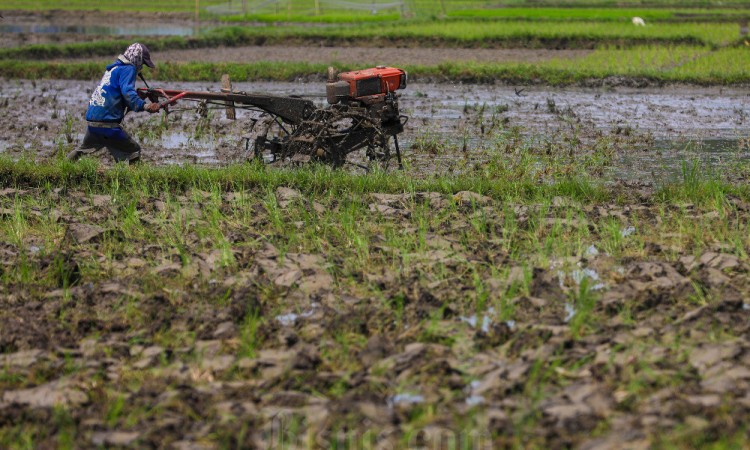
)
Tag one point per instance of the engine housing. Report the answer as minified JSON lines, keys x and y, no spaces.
{"x":367,"y":86}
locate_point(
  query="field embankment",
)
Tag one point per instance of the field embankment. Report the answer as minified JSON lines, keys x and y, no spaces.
{"x":639,"y":66}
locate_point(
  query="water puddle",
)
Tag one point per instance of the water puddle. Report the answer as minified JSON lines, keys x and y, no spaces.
{"x":181,"y":146}
{"x":707,"y":112}
{"x":207,"y":155}
{"x":95,"y":30}
{"x":175,"y":140}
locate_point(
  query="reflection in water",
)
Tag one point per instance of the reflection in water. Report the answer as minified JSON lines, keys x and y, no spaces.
{"x":96,"y":30}
{"x":175,"y":140}
{"x":180,"y":146}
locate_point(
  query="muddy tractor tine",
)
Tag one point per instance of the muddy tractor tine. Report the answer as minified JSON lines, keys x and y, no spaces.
{"x":398,"y":152}
{"x":226,"y":87}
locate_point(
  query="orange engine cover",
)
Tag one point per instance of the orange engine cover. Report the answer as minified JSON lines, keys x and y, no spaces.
{"x":376,"y":81}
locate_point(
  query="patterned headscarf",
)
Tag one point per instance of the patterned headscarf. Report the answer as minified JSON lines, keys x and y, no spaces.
{"x":138,"y":55}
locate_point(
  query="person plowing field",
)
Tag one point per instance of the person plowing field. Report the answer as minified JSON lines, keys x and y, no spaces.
{"x":109,"y":103}
{"x":362,"y":116}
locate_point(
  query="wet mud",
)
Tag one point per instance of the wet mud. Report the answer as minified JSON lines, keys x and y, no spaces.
{"x":631,"y":336}
{"x":646,"y":131}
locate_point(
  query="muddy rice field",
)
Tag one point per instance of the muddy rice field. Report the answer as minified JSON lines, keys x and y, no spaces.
{"x":208,"y":320}
{"x":646,"y":130}
{"x":291,"y":313}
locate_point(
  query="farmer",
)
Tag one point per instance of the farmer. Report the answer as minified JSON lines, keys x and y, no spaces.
{"x":107,"y":107}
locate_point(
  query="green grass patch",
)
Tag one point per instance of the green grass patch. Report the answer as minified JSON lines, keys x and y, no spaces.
{"x":601,"y":14}
{"x":533,"y":34}
{"x":322,"y":180}
{"x":328,"y":17}
{"x":313,"y":179}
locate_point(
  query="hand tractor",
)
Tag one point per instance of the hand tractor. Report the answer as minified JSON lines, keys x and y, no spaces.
{"x":362,"y":114}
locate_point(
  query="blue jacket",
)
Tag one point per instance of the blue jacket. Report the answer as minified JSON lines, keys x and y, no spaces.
{"x":115,"y":92}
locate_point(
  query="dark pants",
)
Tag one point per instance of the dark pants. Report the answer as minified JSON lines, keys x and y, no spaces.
{"x":120,"y":144}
